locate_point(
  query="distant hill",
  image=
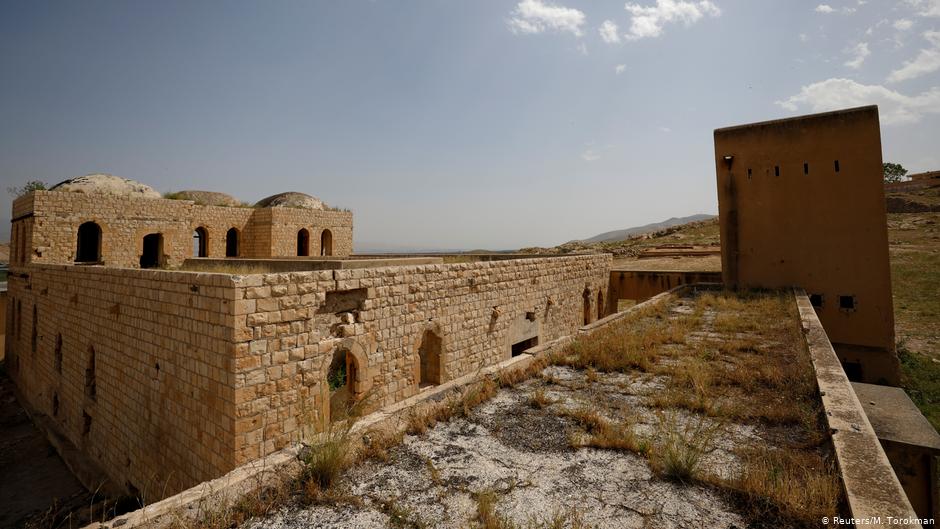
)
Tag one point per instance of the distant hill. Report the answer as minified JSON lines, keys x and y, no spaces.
{"x":620,"y":235}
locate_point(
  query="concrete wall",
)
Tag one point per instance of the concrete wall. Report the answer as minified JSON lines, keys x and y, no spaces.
{"x":197,"y":373}
{"x":640,"y":285}
{"x":45,"y":227}
{"x":789,"y":217}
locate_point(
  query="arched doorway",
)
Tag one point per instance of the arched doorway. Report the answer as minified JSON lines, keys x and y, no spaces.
{"x":600,"y":304}
{"x":231,"y":243}
{"x":429,"y":359}
{"x":89,"y":243}
{"x":303,"y":242}
{"x":341,"y":380}
{"x":587,"y":306}
{"x":200,"y":242}
{"x":326,"y":243}
{"x":152,"y":255}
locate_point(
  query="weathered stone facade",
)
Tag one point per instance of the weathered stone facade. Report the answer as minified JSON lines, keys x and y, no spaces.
{"x":46,"y":224}
{"x":169,"y":378}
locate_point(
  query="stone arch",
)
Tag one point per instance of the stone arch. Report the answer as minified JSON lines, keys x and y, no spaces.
{"x":429,"y":354}
{"x":303,"y":242}
{"x":201,"y":242}
{"x":587,"y":305}
{"x":326,"y":243}
{"x":88,"y":248}
{"x":151,"y":255}
{"x":350,"y":357}
{"x":232,"y":243}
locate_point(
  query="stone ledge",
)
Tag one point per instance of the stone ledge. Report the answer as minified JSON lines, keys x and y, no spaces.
{"x":871,"y":486}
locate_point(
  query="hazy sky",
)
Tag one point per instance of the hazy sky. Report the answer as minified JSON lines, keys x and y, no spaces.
{"x":446,"y":124}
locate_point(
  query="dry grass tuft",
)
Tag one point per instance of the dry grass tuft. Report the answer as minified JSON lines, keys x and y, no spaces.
{"x":682,"y":444}
{"x":539,"y":400}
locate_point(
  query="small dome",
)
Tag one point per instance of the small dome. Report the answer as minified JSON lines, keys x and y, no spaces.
{"x":291,"y":199}
{"x":106,"y":184}
{"x":205,"y":198}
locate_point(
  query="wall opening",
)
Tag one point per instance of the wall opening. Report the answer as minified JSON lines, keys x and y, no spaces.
{"x":816,"y":300}
{"x":200,"y":242}
{"x":152,"y":256}
{"x":34,"y":335}
{"x":853,"y":370}
{"x":86,"y":423}
{"x":776,"y":170}
{"x":847,"y":302}
{"x":837,"y":166}
{"x":326,"y":243}
{"x":231,"y":243}
{"x":58,"y":353}
{"x":805,"y":168}
{"x":91,"y":383}
{"x":587,"y":306}
{"x":600,"y":304}
{"x":520,"y":347}
{"x":341,"y":379}
{"x":89,"y":243}
{"x":748,"y":173}
{"x":429,"y":359}
{"x":303,"y":242}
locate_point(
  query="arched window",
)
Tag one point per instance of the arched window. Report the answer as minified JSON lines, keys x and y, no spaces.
{"x":303,"y":242}
{"x":326,"y":243}
{"x":231,"y":243}
{"x":587,"y":306}
{"x":429,"y":359}
{"x":200,"y":242}
{"x":89,"y":243}
{"x":600,"y":304}
{"x":152,"y":255}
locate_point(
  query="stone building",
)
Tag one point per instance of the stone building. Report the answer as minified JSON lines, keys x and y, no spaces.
{"x":113,"y":221}
{"x":163,"y":376}
{"x":801,"y":202}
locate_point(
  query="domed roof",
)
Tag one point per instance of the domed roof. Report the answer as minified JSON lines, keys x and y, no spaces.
{"x":291,"y":199}
{"x":106,"y":184}
{"x":206,"y":198}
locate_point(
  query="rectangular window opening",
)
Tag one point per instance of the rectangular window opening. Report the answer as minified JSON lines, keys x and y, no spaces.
{"x":805,"y":168}
{"x":776,"y":170}
{"x":520,"y":347}
{"x":816,"y":300}
{"x":837,"y":165}
{"x":847,"y":302}
{"x":749,"y":173}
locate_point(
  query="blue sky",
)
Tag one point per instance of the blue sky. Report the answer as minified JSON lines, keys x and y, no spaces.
{"x":446,"y":124}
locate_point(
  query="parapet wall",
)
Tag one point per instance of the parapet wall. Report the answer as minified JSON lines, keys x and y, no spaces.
{"x":195,"y":373}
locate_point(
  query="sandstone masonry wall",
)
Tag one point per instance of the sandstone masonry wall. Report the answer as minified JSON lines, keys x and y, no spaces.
{"x":196,"y":373}
{"x":45,"y":228}
{"x":160,"y":418}
{"x":288,"y":326}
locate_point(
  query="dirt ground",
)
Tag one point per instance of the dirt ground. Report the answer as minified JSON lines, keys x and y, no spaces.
{"x":34,"y":481}
{"x":529,"y":456}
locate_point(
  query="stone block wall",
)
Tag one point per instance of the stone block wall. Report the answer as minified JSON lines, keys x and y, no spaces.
{"x":157,"y":348}
{"x":196,"y":373}
{"x":289,"y":325}
{"x":46,"y":223}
